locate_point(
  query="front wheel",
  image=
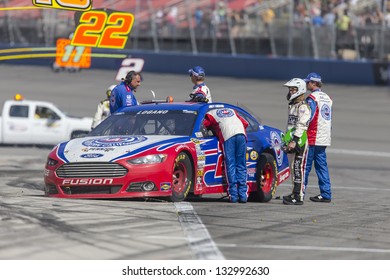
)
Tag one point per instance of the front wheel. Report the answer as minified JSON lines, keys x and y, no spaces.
{"x":265,"y":179}
{"x":182,"y":177}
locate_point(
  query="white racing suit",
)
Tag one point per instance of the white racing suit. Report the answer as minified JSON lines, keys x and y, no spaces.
{"x":203,"y":91}
{"x":102,"y":112}
{"x":298,"y":118}
{"x":319,"y":136}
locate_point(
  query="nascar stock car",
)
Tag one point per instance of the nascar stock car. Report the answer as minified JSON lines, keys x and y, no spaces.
{"x":162,"y":150}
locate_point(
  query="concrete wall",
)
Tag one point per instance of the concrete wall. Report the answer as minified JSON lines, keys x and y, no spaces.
{"x":245,"y":66}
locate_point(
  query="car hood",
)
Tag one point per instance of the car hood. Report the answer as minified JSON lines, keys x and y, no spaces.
{"x":112,"y":148}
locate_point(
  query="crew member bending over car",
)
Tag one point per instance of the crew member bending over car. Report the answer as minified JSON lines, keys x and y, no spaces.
{"x":103,"y":108}
{"x":298,"y":121}
{"x":123,"y":94}
{"x":230,"y":130}
{"x":200,"y":92}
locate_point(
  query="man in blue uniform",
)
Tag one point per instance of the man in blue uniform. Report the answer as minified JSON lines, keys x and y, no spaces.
{"x":123,"y":94}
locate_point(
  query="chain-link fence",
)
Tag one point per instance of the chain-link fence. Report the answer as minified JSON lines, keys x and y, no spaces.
{"x":354,"y":30}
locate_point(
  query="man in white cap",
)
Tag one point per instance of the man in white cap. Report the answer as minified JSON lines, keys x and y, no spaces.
{"x":319,"y":136}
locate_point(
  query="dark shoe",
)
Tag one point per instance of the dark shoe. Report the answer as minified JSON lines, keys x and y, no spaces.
{"x":288,"y":196}
{"x":242,"y":201}
{"x":233,"y":200}
{"x":292,"y":199}
{"x":319,"y":198}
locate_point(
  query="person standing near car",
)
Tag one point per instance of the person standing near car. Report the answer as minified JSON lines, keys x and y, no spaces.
{"x":200,"y":92}
{"x":230,"y":130}
{"x":103,"y":109}
{"x":123,"y":94}
{"x":319,"y":136}
{"x":297,"y":124}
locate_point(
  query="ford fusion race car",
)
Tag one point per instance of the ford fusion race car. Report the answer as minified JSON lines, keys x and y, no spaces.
{"x":161,"y":150}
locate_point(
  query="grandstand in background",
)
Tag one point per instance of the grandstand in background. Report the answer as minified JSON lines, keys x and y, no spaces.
{"x":276,"y":28}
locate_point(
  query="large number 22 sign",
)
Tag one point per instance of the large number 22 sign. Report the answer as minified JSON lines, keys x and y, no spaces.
{"x":97,"y":29}
{"x":80,"y":5}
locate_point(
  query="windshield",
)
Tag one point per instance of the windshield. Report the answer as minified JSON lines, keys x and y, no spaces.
{"x":148,"y":122}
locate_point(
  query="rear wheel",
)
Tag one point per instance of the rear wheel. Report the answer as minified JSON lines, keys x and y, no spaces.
{"x":182,"y":177}
{"x":266,"y":179}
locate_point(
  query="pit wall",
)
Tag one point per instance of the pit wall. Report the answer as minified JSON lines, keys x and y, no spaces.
{"x":242,"y":66}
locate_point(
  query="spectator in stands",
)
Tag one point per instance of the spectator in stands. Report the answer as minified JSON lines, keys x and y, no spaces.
{"x":329,"y":18}
{"x":343,"y":24}
{"x":199,"y":24}
{"x":268,"y":16}
{"x":160,"y":21}
{"x":234,"y":19}
{"x":171,"y":20}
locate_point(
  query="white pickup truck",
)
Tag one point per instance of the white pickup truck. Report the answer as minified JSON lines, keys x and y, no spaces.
{"x":38,"y":123}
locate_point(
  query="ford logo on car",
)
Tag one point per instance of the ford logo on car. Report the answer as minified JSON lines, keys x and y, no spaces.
{"x":91,"y":155}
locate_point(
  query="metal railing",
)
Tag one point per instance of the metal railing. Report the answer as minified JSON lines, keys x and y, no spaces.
{"x":226,"y":28}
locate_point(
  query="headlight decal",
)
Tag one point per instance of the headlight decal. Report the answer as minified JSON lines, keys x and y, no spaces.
{"x":148,"y":159}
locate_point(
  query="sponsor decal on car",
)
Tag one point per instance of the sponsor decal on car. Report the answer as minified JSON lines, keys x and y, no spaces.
{"x":216,"y":106}
{"x":251,"y":172}
{"x":166,"y":186}
{"x":198,"y":185}
{"x":276,"y":142}
{"x":254,"y":155}
{"x":91,"y":155}
{"x":97,"y":149}
{"x":114,"y":141}
{"x":154,"y":112}
{"x":195,"y":141}
{"x":100,"y":181}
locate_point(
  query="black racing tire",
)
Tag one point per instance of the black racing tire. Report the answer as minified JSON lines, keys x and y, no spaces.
{"x":266,"y":179}
{"x":182,"y":177}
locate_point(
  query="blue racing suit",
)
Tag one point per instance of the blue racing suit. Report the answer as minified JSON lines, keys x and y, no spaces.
{"x":234,"y":150}
{"x":122,"y":96}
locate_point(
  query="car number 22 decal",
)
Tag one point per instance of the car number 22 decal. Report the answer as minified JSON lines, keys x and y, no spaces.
{"x":97,"y":29}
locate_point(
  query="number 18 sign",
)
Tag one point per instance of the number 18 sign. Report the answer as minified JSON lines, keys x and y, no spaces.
{"x":77,"y":5}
